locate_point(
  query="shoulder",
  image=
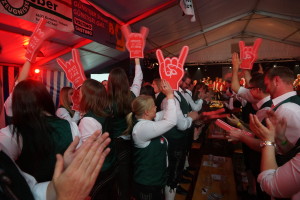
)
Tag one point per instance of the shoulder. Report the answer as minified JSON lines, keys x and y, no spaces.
{"x":61,"y":110}
{"x":85,"y":120}
{"x":289,"y":107}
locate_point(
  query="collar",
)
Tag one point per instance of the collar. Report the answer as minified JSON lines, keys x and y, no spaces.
{"x":188,"y":91}
{"x":262,"y":101}
{"x":283,"y":97}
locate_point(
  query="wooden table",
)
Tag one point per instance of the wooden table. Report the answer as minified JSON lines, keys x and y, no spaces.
{"x":215,"y":132}
{"x":225,"y":188}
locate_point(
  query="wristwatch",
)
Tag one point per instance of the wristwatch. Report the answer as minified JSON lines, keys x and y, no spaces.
{"x":266,"y":143}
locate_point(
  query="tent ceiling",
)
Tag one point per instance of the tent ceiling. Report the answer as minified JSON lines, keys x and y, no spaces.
{"x":215,"y":34}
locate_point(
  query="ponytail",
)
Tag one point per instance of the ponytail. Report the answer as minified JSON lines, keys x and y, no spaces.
{"x":129,"y":120}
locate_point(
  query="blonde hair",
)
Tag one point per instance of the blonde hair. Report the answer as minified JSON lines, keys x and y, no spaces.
{"x":138,"y":106}
{"x":64,"y":99}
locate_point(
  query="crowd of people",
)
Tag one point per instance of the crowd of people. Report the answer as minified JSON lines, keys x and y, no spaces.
{"x":140,"y":135}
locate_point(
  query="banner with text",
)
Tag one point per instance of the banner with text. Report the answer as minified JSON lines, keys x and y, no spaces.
{"x":91,"y":24}
{"x":57,"y":13}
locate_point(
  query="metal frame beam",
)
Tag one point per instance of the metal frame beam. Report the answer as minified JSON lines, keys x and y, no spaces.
{"x":273,"y":39}
{"x":279,"y":16}
{"x":214,"y":43}
{"x":228,"y":21}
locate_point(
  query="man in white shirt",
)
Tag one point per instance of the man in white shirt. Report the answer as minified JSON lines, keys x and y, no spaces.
{"x":286,"y":103}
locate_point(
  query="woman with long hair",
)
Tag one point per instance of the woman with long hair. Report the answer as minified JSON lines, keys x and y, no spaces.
{"x":65,"y":106}
{"x":150,"y":147}
{"x":159,"y":96}
{"x":36,"y":134}
{"x":94,"y":107}
{"x":120,"y":96}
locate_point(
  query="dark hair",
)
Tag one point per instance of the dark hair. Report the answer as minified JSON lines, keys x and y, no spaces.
{"x":257,"y":81}
{"x":186,"y":76}
{"x":119,"y":94}
{"x":197,"y":87}
{"x":286,"y":74}
{"x":94,"y":98}
{"x":31,"y":102}
{"x":148,"y":90}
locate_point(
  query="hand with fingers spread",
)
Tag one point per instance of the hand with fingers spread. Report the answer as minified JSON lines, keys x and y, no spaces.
{"x":73,"y":69}
{"x":166,"y":89}
{"x":76,"y":100}
{"x":281,"y":124}
{"x":135,"y":42}
{"x":39,"y":35}
{"x":264,"y":133}
{"x":280,"y":130}
{"x":171,"y":69}
{"x":248,"y":54}
{"x":235,"y":61}
{"x":84,"y":165}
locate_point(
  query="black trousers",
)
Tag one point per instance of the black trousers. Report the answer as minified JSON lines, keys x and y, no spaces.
{"x":146,"y":192}
{"x":105,"y":186}
{"x":176,"y":158}
{"x":124,"y":168}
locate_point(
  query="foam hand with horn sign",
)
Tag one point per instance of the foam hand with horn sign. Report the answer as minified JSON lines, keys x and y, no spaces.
{"x":39,"y":35}
{"x":76,"y":99}
{"x":248,"y":54}
{"x":73,"y":69}
{"x":171,"y":69}
{"x":135,"y":42}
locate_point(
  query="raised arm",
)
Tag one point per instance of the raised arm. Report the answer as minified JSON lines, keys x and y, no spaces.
{"x":235,"y":83}
{"x":138,"y":78}
{"x":154,"y":129}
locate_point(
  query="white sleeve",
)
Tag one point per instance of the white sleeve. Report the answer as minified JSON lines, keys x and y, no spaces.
{"x":246,"y":94}
{"x":291,"y":113}
{"x":159,"y":115}
{"x":283,"y":182}
{"x":137,"y":81}
{"x":8,"y":106}
{"x":74,"y":129}
{"x":9,"y":144}
{"x":195,"y":106}
{"x":64,"y":114}
{"x":183,"y":122}
{"x":145,"y":130}
{"x":39,"y":190}
{"x":88,"y":126}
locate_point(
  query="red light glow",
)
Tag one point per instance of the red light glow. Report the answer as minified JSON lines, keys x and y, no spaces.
{"x":37,"y":71}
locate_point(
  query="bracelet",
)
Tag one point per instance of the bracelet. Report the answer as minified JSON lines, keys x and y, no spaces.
{"x":284,"y":143}
{"x":267,"y":143}
{"x":238,"y":124}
